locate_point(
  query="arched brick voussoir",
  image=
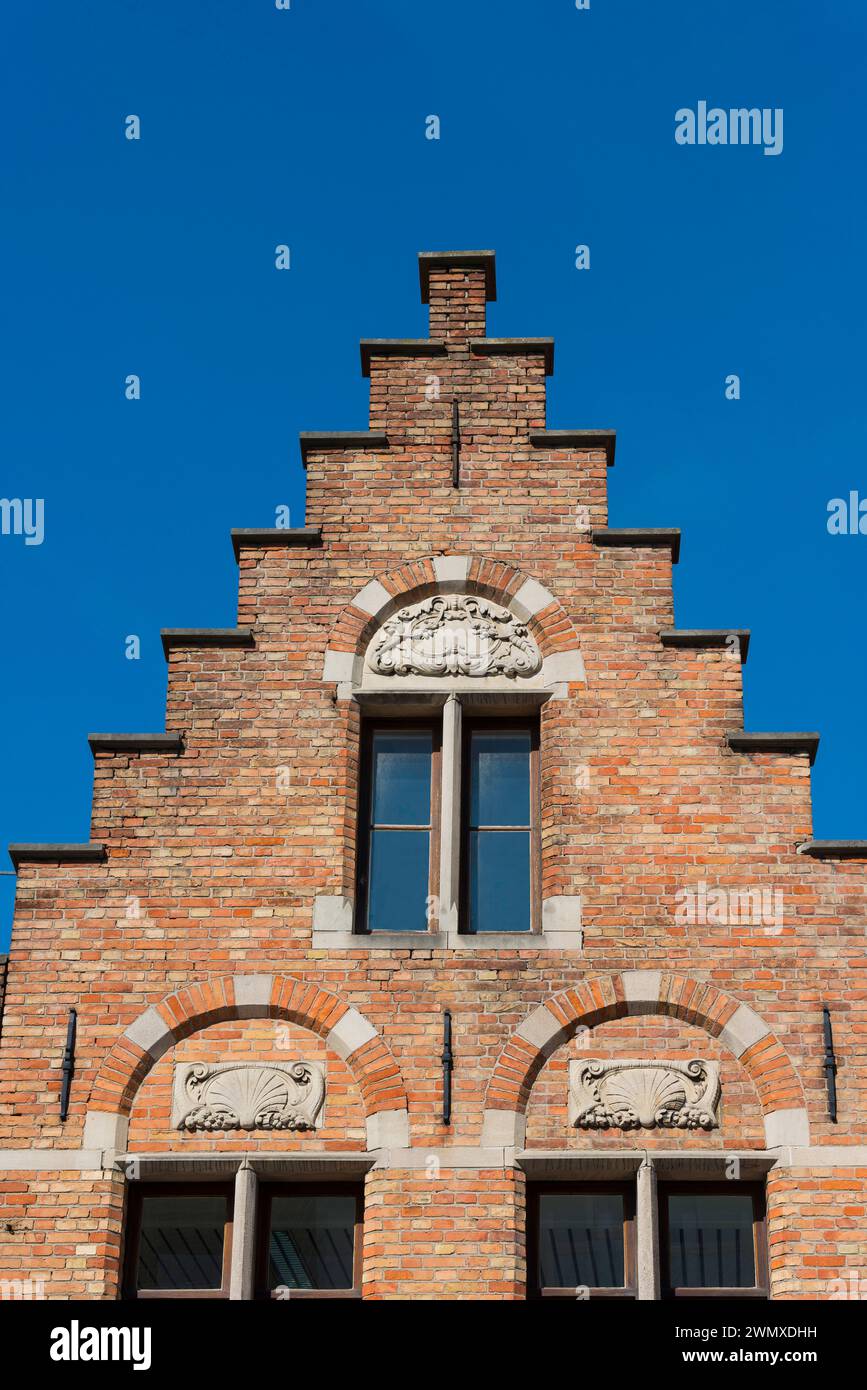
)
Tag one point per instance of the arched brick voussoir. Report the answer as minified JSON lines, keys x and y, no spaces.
{"x":529,"y":600}
{"x":633,"y":993}
{"x":201,"y":1004}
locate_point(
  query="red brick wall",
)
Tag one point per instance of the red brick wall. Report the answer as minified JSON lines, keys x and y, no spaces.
{"x":816,"y":1226}
{"x":444,"y":1235}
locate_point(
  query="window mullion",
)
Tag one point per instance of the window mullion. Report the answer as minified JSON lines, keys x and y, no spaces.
{"x":648,"y":1277}
{"x":242,"y":1275}
{"x":450,"y":816}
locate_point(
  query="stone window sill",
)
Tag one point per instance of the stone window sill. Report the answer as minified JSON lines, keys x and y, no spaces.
{"x":333,"y":920}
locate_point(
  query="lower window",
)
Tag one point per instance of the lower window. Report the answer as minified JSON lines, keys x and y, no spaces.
{"x":309,"y":1241}
{"x":581,"y":1241}
{"x":713,"y":1240}
{"x":179,"y":1241}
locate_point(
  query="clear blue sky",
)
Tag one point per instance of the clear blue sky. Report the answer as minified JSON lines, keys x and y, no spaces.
{"x":307,"y":127}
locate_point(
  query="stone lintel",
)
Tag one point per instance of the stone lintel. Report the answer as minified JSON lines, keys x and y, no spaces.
{"x":348,"y":1164}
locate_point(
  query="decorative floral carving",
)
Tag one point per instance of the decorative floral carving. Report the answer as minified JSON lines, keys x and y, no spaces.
{"x":643,"y":1094}
{"x":454,"y":635}
{"x":244,"y":1095}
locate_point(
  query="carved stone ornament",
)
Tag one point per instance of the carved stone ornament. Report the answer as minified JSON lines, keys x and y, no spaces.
{"x":639,"y":1094}
{"x":454,"y":635}
{"x":246,"y":1095}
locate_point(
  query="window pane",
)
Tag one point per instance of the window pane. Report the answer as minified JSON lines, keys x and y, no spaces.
{"x":182,"y":1242}
{"x":500,"y":778}
{"x":711,"y":1241}
{"x":581,"y":1240}
{"x":401,"y":777}
{"x":312,"y":1242}
{"x":499,"y":880}
{"x":399,"y":880}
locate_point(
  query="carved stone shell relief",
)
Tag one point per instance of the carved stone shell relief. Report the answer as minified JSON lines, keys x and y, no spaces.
{"x":245,"y":1095}
{"x":643,"y":1094}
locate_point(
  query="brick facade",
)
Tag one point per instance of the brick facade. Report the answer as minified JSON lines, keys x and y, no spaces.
{"x":193,"y":925}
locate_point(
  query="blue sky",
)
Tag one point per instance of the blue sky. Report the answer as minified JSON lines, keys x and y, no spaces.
{"x":307,"y":127}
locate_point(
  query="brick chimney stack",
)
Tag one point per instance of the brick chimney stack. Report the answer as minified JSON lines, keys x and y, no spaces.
{"x":457,"y":285}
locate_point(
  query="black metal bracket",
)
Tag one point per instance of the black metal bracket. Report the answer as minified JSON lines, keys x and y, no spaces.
{"x":448,"y":1061}
{"x":830,"y":1065}
{"x":456,"y":445}
{"x":68,"y":1066}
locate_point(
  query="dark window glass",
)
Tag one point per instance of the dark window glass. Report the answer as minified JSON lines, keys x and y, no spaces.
{"x":580,"y":1240}
{"x":499,"y":870}
{"x":181,"y":1242}
{"x":711,"y":1240}
{"x":311,"y":1241}
{"x":401,"y":777}
{"x":499,"y":833}
{"x":500,"y":778}
{"x":395,"y":863}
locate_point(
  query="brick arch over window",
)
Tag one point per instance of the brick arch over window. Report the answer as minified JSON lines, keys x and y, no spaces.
{"x":529,"y":600}
{"x":200,"y":1005}
{"x":634,"y":992}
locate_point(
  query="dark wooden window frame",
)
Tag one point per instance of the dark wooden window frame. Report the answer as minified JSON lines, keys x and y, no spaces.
{"x":365,"y":809}
{"x":502,"y":724}
{"x":266,"y":1194}
{"x":626,"y":1190}
{"x":137,"y":1194}
{"x":755,"y":1190}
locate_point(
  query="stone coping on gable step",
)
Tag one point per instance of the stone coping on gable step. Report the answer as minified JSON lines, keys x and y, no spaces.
{"x":324,"y":441}
{"x":90,"y":853}
{"x":706,"y":637}
{"x":576,"y":439}
{"x":173,"y":637}
{"x":136,"y":743}
{"x":742,"y":742}
{"x":274,"y":537}
{"x":399,"y":347}
{"x":639,"y":537}
{"x":515,"y":347}
{"x":834,"y":849}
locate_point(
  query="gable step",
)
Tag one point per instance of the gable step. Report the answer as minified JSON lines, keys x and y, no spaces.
{"x":458,"y":260}
{"x":706,"y":637}
{"x":274,"y":537}
{"x":399,"y":347}
{"x":323,"y":441}
{"x":576,"y":439}
{"x":206,"y":637}
{"x":741,"y":742}
{"x":650,"y":536}
{"x":515,"y":347}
